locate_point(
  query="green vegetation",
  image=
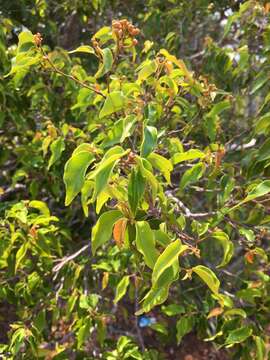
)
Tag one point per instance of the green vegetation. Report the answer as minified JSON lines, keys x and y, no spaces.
{"x":134,"y":184}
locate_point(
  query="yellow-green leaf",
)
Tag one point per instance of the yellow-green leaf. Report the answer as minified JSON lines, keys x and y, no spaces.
{"x":102,"y":231}
{"x":208,"y":276}
{"x":145,"y":243}
{"x":121,"y":289}
{"x":115,"y":101}
{"x":167,"y":258}
{"x":74,"y":173}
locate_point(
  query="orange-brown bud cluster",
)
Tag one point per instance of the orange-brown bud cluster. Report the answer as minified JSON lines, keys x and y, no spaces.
{"x":124,"y":29}
{"x":38,"y":39}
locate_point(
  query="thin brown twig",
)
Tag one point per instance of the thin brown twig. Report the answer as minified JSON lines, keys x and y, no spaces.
{"x":60,"y":72}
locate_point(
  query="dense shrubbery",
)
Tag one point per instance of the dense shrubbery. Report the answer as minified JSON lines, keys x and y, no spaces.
{"x":134,"y":182}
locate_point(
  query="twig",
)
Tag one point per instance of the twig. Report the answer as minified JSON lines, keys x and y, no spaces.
{"x":60,"y":72}
{"x":187,"y":212}
{"x":66,"y":259}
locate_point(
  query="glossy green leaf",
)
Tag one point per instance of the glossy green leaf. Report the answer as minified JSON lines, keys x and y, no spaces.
{"x":260,"y":190}
{"x":20,"y":255}
{"x":102,"y":231}
{"x":191,"y":154}
{"x":183,"y":326}
{"x":136,"y":187}
{"x":227,"y":245}
{"x":167,"y":258}
{"x":264,"y":152}
{"x":149,"y":140}
{"x":107,"y":63}
{"x":114,"y":102}
{"x":74,"y":173}
{"x":83,"y":49}
{"x":121,"y":288}
{"x":103,"y":171}
{"x":261,"y":348}
{"x":192,"y":175}
{"x":238,"y":335}
{"x":208,"y":276}
{"x":145,"y":243}
{"x":154,"y":297}
{"x":56,"y":147}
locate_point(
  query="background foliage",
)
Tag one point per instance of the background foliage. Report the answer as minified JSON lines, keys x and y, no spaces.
{"x":134,"y":191}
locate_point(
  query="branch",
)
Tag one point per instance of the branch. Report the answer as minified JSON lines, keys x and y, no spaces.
{"x":66,"y":259}
{"x":186,"y":210}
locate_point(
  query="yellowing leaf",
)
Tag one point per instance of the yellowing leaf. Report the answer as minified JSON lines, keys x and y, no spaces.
{"x":215,"y":312}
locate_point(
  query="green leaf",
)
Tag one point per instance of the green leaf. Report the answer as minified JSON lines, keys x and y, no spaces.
{"x":219,"y":108}
{"x":262,"y":124}
{"x":235,"y":312}
{"x":114,"y":102}
{"x":20,"y":255}
{"x":148,"y":175}
{"x":103,"y":171}
{"x":238,"y":335}
{"x":83,"y":49}
{"x":41,"y":206}
{"x":227,"y":245}
{"x":145,"y":243}
{"x":167,"y":258}
{"x":183,"y":327}
{"x":154,"y":297}
{"x":173,"y":309}
{"x":260,"y":190}
{"x":102,"y":231}
{"x":259,"y":82}
{"x":74,"y":173}
{"x":86,"y":192}
{"x":264,"y":152}
{"x":149,"y":140}
{"x":261,"y":348}
{"x":136,"y":187}
{"x":121,"y":289}
{"x":162,"y":164}
{"x":56,"y":147}
{"x":191,"y":154}
{"x":107,"y":63}
{"x":208,"y":277}
{"x":192,"y":175}
{"x":84,"y":332}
